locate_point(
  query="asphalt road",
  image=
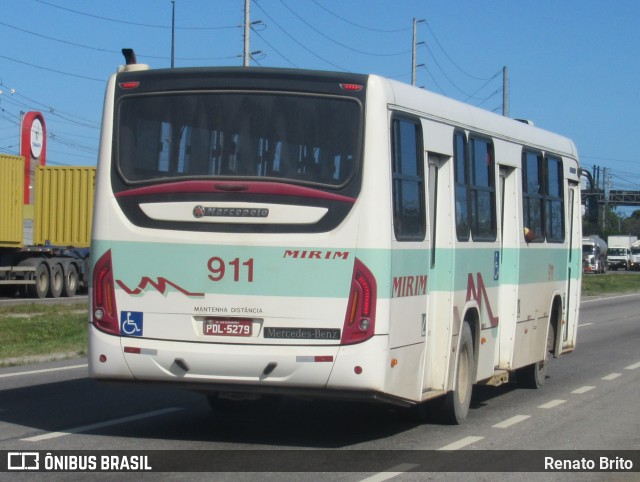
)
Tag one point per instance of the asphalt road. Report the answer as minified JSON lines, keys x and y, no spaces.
{"x":589,"y":402}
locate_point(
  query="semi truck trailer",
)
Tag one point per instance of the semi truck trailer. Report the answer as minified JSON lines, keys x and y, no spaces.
{"x":44,"y":246}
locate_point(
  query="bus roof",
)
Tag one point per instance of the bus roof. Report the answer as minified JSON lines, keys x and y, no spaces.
{"x":465,"y":116}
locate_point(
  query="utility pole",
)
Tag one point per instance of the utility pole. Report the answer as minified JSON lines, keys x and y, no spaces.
{"x":605,"y":189}
{"x":505,"y":91}
{"x":247,"y":27}
{"x":413,"y":51}
{"x":173,"y":31}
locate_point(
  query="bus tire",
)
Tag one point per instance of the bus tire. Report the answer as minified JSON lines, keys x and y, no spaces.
{"x":534,"y":375}
{"x":70,"y":281}
{"x":56,"y":281}
{"x":455,"y":406}
{"x":41,"y":286}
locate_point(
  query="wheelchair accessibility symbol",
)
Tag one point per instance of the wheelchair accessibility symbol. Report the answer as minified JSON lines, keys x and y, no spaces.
{"x":131,"y":323}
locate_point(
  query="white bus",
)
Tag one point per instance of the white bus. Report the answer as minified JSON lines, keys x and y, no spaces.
{"x":285,"y":232}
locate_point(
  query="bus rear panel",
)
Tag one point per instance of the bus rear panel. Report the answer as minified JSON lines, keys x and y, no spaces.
{"x":225,"y":243}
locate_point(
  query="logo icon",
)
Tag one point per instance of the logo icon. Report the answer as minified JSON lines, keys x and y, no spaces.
{"x":131,"y":323}
{"x":23,"y":461}
{"x":198,"y":211}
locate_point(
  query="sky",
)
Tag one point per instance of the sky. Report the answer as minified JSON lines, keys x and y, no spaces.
{"x":573,"y":65}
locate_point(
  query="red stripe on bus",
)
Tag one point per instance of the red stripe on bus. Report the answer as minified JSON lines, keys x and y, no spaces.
{"x":272,"y":188}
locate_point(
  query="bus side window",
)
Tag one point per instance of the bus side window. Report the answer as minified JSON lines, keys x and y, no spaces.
{"x":554,"y":202}
{"x":408,"y":180}
{"x":532,"y":196}
{"x":461,"y":186}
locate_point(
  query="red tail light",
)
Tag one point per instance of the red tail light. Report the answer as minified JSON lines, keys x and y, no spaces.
{"x":359,"y":322}
{"x":352,"y":87}
{"x":105,"y":312}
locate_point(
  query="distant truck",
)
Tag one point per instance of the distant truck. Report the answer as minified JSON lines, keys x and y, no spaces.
{"x":594,"y":254}
{"x":619,"y":251}
{"x":44,"y":247}
{"x":634,"y":257}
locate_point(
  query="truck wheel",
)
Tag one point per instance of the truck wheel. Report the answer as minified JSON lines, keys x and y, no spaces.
{"x":56,"y":281}
{"x":70,"y":281}
{"x":41,"y":286}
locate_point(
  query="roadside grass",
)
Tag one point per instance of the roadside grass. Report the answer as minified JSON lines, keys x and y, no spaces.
{"x":601,"y":284}
{"x":31,"y":330}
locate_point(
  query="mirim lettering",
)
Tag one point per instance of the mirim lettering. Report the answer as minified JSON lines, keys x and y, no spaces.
{"x":409,"y":286}
{"x":297,"y":254}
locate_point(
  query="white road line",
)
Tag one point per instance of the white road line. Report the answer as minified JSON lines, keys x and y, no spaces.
{"x":582,"y":325}
{"x":391,"y":473}
{"x":633,"y":367}
{"x":552,"y":404}
{"x":46,"y":370}
{"x":86,"y":428}
{"x":584,"y":389}
{"x":612,"y":376}
{"x":608,"y":298}
{"x":511,"y":421}
{"x":461,"y":443}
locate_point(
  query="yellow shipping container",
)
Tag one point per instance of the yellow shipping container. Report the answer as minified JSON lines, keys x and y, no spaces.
{"x":11,"y":201}
{"x":64,"y":205}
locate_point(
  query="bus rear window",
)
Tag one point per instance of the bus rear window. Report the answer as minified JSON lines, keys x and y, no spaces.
{"x":294,"y":138}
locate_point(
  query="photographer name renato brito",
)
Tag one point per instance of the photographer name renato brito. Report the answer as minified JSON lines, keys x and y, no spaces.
{"x":601,"y":463}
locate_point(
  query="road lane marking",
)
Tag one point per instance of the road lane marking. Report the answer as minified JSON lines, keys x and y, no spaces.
{"x":391,"y":473}
{"x":582,"y":325}
{"x":552,"y":404}
{"x":461,"y":443}
{"x":108,"y":423}
{"x":46,"y":370}
{"x":584,"y":389}
{"x":511,"y":421}
{"x":633,"y":367}
{"x":612,"y":376}
{"x":607,"y":298}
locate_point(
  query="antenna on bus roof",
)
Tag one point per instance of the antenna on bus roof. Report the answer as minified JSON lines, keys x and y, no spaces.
{"x":129,"y":56}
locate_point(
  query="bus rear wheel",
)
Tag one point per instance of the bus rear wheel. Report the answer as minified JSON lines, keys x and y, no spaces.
{"x":455,"y":405}
{"x":534,"y":375}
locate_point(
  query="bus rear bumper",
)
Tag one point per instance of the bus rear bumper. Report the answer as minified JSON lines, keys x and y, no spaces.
{"x":261,"y":368}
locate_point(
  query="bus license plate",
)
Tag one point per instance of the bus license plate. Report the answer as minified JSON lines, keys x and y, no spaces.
{"x":227,"y":327}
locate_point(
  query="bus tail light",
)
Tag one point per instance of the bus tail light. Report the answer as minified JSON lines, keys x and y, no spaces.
{"x":105,"y":313}
{"x":359,"y":322}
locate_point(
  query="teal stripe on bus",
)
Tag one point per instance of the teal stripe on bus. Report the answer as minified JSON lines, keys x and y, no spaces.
{"x":319,"y":272}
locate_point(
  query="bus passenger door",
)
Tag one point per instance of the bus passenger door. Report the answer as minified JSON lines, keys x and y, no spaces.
{"x":568,"y":338}
{"x":409,"y":260}
{"x":510,"y":232}
{"x":434,"y":164}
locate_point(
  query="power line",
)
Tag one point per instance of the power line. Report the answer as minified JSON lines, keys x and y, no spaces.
{"x":275,"y":49}
{"x":36,"y":105}
{"x":446,"y":76}
{"x":371,"y":29}
{"x":451,"y":59}
{"x":51,"y":70}
{"x":296,"y":40}
{"x":319,"y":32}
{"x":99,"y":49}
{"x":126,"y":22}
